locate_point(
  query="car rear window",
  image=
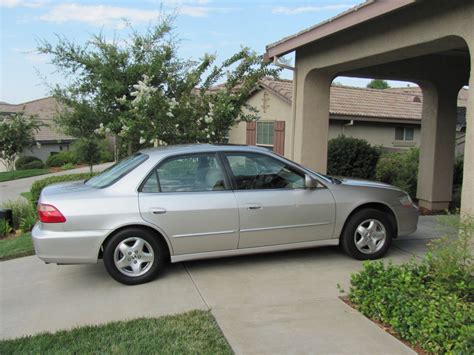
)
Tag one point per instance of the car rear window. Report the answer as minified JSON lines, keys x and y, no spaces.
{"x":116,"y":171}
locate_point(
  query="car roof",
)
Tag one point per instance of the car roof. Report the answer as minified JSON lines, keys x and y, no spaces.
{"x":198,"y":148}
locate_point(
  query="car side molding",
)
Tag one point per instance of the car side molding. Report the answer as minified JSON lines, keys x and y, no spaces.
{"x":255,"y":250}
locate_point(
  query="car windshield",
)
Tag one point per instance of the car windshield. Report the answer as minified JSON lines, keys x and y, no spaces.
{"x":116,"y":171}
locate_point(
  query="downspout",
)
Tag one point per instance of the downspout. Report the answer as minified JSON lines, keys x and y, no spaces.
{"x":293,"y":103}
{"x":351,"y":123}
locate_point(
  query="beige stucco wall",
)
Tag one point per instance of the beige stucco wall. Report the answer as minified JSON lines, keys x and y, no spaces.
{"x":270,"y":108}
{"x":378,"y":134}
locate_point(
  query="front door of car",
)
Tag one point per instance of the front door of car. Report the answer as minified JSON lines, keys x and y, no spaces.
{"x":189,"y":198}
{"x":274,"y":206}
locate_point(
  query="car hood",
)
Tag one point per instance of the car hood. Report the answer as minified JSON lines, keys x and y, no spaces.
{"x":366,"y":183}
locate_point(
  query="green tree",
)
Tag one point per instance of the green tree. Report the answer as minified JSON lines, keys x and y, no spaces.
{"x":88,"y":150}
{"x":378,"y":84}
{"x":16,"y":134}
{"x":142,"y":92}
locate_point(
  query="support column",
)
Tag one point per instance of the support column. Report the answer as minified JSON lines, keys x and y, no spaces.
{"x":311,"y":121}
{"x":467,"y":194}
{"x":438,"y":135}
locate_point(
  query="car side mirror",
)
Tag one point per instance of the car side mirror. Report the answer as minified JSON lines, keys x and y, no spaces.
{"x":310,"y":183}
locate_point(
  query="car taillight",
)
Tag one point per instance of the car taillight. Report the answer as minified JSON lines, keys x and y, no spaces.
{"x":50,"y":214}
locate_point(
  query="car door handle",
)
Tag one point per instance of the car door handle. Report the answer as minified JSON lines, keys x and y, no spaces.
{"x":254,"y":207}
{"x":158,"y":210}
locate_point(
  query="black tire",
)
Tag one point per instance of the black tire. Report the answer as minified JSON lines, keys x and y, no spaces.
{"x":159,"y":252}
{"x":348,"y":238}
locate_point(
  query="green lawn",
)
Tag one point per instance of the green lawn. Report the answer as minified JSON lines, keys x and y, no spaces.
{"x":194,"y":332}
{"x":20,"y":174}
{"x":16,"y":247}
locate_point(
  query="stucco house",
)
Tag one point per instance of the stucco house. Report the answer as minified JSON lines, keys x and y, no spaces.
{"x":48,"y":138}
{"x":388,"y":118}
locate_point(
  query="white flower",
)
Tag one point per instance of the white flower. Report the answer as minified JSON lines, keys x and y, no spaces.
{"x":208,"y":135}
{"x":176,"y":125}
{"x":107,"y":130}
{"x":121,"y":100}
{"x":169,"y":114}
{"x":142,"y":140}
{"x":207,"y":119}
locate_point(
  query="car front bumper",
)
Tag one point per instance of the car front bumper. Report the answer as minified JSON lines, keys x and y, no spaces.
{"x":76,"y":247}
{"x":407,"y":218}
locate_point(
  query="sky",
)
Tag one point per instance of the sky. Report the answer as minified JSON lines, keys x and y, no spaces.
{"x":217,"y":27}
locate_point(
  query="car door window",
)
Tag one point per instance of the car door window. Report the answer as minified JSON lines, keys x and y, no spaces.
{"x":190,"y":173}
{"x":257,"y":171}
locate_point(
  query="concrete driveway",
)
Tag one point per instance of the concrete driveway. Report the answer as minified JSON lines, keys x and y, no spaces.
{"x":267,"y":304}
{"x":11,"y":190}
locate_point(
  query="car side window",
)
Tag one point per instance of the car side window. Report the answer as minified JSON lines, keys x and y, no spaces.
{"x":189,"y":173}
{"x":257,"y":171}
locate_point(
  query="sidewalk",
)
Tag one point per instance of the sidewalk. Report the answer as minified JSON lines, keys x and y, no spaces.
{"x":10,"y":190}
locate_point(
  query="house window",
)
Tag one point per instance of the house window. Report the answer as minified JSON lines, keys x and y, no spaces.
{"x":404,"y":134}
{"x":265,"y":133}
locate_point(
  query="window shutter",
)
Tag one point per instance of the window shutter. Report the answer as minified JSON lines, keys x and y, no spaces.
{"x":251,"y":133}
{"x":279,"y":138}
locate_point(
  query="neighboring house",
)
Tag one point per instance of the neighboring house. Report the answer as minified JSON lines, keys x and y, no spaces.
{"x":48,"y":138}
{"x":389,"y":118}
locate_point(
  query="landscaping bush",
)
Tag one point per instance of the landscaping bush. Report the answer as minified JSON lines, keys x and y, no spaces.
{"x":399,"y":169}
{"x":457,"y":182}
{"x":428,"y":303}
{"x":23,"y":213}
{"x":38,"y":185}
{"x":28,"y":162}
{"x":61,"y":158}
{"x":352,"y":157}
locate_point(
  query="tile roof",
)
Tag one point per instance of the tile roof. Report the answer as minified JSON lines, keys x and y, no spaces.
{"x":397,"y":103}
{"x":46,"y":109}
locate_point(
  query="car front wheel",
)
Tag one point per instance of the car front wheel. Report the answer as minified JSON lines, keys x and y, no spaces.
{"x":134,"y":256}
{"x":367,"y":235}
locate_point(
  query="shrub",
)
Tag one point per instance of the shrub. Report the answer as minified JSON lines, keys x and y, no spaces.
{"x":457,"y":182}
{"x":352,"y":157}
{"x":21,"y":209}
{"x":28,"y":162}
{"x":61,"y":158}
{"x":38,"y":185}
{"x":33,"y":165}
{"x":5,"y":228}
{"x":399,"y":169}
{"x":428,"y":303}
{"x":67,"y":166}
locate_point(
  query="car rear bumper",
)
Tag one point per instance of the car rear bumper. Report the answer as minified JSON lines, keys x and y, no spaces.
{"x":77,"y":247}
{"x":407,"y":218}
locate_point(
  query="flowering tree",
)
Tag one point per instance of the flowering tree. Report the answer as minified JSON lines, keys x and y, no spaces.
{"x":141,"y":91}
{"x":16,"y":135}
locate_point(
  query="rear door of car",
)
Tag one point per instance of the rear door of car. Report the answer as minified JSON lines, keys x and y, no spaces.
{"x":274,"y":206}
{"x":190,"y":199}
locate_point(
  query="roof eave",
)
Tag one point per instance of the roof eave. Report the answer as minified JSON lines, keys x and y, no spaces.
{"x":369,"y":10}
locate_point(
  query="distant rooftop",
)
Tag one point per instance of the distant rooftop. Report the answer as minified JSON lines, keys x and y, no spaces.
{"x":46,"y":109}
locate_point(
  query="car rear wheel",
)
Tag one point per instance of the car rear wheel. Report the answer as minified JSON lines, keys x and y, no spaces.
{"x":134,"y":256}
{"x":367,"y":235}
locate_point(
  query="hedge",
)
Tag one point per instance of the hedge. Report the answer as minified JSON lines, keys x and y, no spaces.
{"x":38,"y":185}
{"x":399,"y":169}
{"x":352,"y":157}
{"x":428,"y":302}
{"x":61,"y":158}
{"x":28,"y":162}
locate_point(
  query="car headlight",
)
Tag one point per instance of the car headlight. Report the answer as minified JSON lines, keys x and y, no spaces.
{"x":406,"y":201}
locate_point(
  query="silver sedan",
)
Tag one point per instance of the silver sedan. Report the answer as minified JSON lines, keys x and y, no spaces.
{"x":189,"y":202}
